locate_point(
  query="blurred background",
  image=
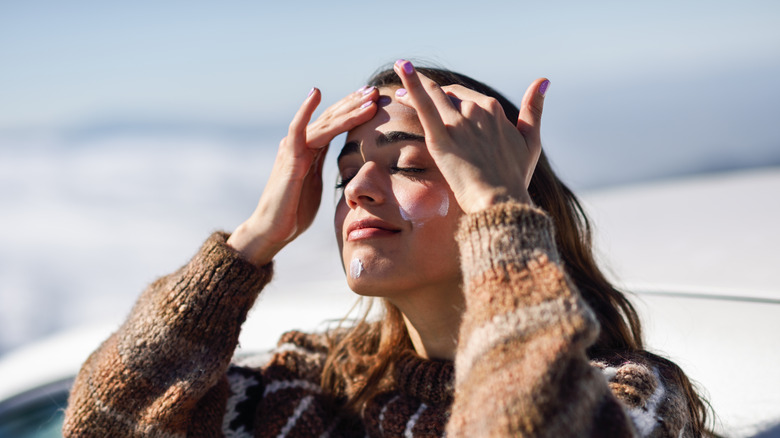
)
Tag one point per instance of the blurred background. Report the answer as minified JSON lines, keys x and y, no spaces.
{"x":130,"y":131}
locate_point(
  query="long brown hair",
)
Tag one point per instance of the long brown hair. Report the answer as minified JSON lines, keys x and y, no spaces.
{"x":360,"y":362}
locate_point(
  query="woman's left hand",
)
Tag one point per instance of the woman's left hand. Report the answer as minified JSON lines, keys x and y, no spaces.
{"x":482,"y":155}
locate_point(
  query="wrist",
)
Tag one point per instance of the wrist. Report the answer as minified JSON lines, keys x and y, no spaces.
{"x":251,"y":246}
{"x":497,"y":196}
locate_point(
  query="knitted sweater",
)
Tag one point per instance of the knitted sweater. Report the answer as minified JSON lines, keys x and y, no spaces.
{"x":520,"y":367}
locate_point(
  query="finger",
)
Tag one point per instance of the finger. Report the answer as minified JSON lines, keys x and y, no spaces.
{"x":427,"y":98}
{"x":297,"y":130}
{"x":356,"y":98}
{"x":461,"y":93}
{"x":529,"y":120}
{"x":353,"y":110}
{"x":319,"y":162}
{"x":313,"y":178}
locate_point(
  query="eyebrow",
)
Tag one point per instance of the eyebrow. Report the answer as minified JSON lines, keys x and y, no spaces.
{"x":383,"y":139}
{"x":397,"y":136}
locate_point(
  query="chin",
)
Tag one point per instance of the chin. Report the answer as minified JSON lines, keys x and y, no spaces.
{"x":368,"y":288}
{"x":371,"y":274}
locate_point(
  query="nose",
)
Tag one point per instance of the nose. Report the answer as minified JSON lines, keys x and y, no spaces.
{"x":366,"y":188}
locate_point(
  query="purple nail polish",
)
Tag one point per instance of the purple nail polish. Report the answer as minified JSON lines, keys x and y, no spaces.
{"x":311,"y":92}
{"x":400,"y":62}
{"x":361,"y":89}
{"x":367,"y":90}
{"x":543,"y":87}
{"x":408,"y":68}
{"x":401,"y":92}
{"x":366,"y":104}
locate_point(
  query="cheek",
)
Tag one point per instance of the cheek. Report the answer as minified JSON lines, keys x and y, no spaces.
{"x":338,"y":222}
{"x":422,"y":205}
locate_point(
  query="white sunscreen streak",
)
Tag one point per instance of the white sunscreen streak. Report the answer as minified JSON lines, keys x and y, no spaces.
{"x":444,"y":208}
{"x":355,"y":268}
{"x":404,"y":214}
{"x":418,"y":217}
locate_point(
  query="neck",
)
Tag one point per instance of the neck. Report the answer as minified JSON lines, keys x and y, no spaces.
{"x":433,"y":322}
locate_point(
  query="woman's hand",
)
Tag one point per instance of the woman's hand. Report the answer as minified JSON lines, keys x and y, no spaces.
{"x":482,"y":155}
{"x":292,"y":195}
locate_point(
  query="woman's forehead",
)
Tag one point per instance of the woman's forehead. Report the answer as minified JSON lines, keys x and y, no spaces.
{"x":390,"y":115}
{"x":396,"y":119}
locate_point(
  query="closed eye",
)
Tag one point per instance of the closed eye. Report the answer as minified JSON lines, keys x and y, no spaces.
{"x":396,"y":169}
{"x":410,"y":172}
{"x":343,"y":181}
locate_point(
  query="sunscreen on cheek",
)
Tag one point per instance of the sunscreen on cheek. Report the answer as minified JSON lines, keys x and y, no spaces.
{"x":428,"y":207}
{"x":444,"y":207}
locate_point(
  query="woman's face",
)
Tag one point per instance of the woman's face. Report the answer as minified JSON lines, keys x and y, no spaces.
{"x":397,"y":217}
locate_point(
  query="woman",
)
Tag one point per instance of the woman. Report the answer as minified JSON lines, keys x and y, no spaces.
{"x":498,"y":322}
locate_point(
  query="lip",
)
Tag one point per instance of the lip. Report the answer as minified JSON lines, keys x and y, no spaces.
{"x":368,"y":228}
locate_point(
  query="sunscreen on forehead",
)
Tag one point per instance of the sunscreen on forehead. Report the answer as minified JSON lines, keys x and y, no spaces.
{"x":355,"y":268}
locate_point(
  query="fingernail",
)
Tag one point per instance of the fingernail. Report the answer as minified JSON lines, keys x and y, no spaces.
{"x":406,"y":66}
{"x":543,"y":87}
{"x":401,"y":92}
{"x":366,"y":104}
{"x":360,"y":90}
{"x":368,"y":90}
{"x":311,"y":92}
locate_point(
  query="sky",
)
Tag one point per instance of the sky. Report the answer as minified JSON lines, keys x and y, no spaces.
{"x":68,"y":61}
{"x":694,"y":75}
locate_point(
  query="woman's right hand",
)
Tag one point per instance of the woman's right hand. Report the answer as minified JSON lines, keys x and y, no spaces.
{"x":484,"y":157}
{"x":292,"y":195}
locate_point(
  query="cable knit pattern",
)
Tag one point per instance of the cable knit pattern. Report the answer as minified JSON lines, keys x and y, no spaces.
{"x":520,"y":368}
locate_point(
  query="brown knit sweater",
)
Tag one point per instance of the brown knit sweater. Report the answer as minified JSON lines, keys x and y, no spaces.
{"x":520,"y":368}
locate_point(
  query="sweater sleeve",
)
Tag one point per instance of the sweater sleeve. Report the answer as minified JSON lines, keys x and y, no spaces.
{"x":521,"y":366}
{"x":175,"y":346}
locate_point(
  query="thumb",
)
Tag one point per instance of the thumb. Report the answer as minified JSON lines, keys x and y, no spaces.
{"x":319,"y":161}
{"x":529,"y":120}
